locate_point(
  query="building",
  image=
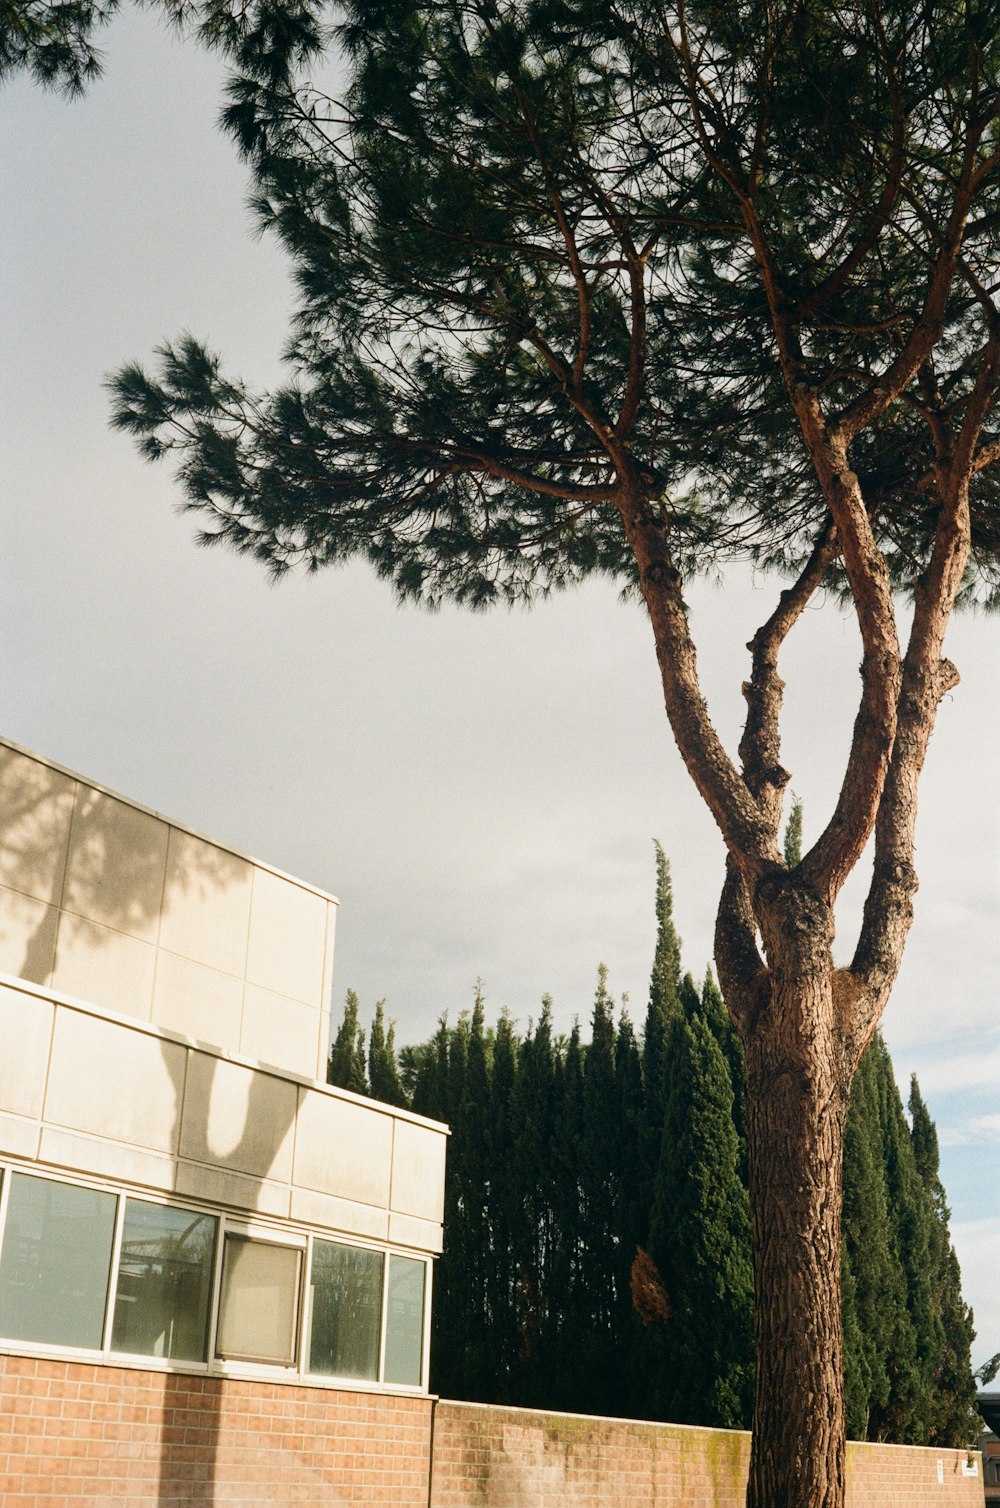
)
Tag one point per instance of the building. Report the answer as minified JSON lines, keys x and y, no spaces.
{"x":187,"y":1211}
{"x":215,"y":1270}
{"x":988,"y":1405}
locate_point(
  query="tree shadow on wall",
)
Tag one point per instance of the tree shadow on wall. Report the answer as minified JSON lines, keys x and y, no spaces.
{"x":80,"y":868}
{"x":203,"y":1428}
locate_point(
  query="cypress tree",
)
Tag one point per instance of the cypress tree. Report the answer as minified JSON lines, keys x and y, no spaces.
{"x":504,"y":1214}
{"x":793,"y":835}
{"x":952,"y":1417}
{"x":916,"y":1337}
{"x":534,"y":1147}
{"x":599,"y":1191}
{"x":664,"y":1004}
{"x":625,"y":1386}
{"x":346,"y":1066}
{"x":566,"y":1281}
{"x":383,"y":1071}
{"x":700,"y":1239}
{"x":877,"y":1329}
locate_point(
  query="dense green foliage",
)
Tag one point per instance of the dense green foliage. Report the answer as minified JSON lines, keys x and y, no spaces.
{"x":597,"y":1253}
{"x":525,"y":281}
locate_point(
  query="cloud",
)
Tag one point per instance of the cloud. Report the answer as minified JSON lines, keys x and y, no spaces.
{"x":966,"y":1071}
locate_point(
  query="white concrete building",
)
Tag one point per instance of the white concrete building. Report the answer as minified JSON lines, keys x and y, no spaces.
{"x":179,"y":1189}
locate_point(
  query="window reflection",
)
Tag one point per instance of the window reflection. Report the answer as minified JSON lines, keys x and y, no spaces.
{"x":164,"y":1282}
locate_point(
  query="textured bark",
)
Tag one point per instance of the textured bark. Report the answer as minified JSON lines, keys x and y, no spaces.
{"x":797,"y":1090}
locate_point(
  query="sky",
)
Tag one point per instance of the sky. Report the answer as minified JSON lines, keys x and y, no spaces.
{"x":481,"y":792}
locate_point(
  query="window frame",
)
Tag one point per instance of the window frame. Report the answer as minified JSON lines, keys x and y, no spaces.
{"x":251,"y":1226}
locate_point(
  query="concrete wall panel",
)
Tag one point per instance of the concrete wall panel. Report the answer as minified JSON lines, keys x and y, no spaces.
{"x":279,"y":1031}
{"x":197,"y":1001}
{"x":343,"y":1149}
{"x":287,"y":938}
{"x":36,"y":805}
{"x":424,"y":1235}
{"x":110,"y":902}
{"x":104,"y":967}
{"x":18,"y":1136}
{"x":106,"y":1159}
{"x":27,"y":936}
{"x":222,"y":1186}
{"x":116,"y":865}
{"x":206,"y":904}
{"x":109,"y":1081}
{"x":341,"y":1215}
{"x":418,"y":1155}
{"x":238,"y":1118}
{"x":25,"y":1032}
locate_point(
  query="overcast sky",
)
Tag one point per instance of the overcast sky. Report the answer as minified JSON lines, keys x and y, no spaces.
{"x":481,"y":793}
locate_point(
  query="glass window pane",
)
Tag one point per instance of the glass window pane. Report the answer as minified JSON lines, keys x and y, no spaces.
{"x":404,"y":1321}
{"x":164,"y":1282}
{"x":258,"y":1305}
{"x":346,"y":1292}
{"x":55,"y":1262}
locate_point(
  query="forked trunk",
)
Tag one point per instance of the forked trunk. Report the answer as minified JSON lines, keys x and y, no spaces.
{"x":796,"y":1101}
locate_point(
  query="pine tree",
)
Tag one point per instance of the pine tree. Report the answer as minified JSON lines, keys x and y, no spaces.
{"x":595,"y":345}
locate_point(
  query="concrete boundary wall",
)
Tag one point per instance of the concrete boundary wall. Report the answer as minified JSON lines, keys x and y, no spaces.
{"x":489,"y":1457}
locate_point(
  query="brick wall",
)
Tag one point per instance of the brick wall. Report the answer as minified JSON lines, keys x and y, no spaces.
{"x":77,"y":1436}
{"x":487,"y":1457}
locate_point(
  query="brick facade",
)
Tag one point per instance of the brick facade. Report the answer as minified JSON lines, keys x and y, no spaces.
{"x":74,"y":1435}
{"x":989,"y":1444}
{"x":488,"y":1457}
{"x":79,"y":1436}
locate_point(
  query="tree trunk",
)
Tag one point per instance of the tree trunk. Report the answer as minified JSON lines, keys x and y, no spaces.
{"x":797,"y":1087}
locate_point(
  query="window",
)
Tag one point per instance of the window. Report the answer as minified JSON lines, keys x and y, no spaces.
{"x":345,"y":1311}
{"x":164,"y":1282}
{"x":55,"y":1262}
{"x":404,"y":1321}
{"x":259,"y":1302}
{"x":99,"y":1271}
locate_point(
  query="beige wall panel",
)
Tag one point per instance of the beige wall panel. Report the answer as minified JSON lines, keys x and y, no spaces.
{"x":200,"y":1002}
{"x":18,"y":1136}
{"x":238,"y":1118}
{"x":109,"y":1080}
{"x":25,"y":1034}
{"x":206,"y":904}
{"x":282,"y":1032}
{"x":287,"y":938}
{"x":106,"y":1159}
{"x":418,"y":1156}
{"x":104,"y":967}
{"x":341,"y":1216}
{"x":343,"y":1149}
{"x":116,"y":865}
{"x":36,"y":805}
{"x":218,"y":1186}
{"x":27,"y":936}
{"x":424,"y":1235}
